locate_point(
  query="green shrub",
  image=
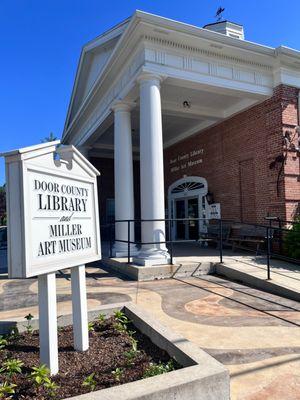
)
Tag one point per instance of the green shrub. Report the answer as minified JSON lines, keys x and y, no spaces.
{"x":292,"y":240}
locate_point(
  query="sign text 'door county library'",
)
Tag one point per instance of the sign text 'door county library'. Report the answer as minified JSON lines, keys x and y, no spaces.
{"x":58,"y":212}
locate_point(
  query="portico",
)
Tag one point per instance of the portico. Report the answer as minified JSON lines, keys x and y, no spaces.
{"x":150,"y":83}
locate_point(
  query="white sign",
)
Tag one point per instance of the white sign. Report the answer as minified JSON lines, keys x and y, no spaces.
{"x":214,"y":211}
{"x":53,"y":224}
{"x":53,"y":220}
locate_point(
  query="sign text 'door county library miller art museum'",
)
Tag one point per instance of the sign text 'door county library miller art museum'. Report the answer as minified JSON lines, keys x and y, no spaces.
{"x":55,"y":224}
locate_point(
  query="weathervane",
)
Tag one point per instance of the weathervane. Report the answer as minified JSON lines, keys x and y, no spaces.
{"x":219,"y":13}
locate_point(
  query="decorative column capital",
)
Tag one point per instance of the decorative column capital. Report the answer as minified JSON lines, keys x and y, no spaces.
{"x":121,"y":105}
{"x":147,"y":77}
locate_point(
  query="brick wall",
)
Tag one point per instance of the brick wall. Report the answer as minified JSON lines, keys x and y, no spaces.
{"x":106,"y":184}
{"x":236,"y":157}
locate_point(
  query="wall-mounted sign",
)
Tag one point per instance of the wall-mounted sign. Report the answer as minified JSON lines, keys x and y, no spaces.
{"x":186,"y":160}
{"x":214,"y":211}
{"x":53,"y":220}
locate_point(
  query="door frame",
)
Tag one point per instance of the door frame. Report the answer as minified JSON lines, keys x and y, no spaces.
{"x":188,"y":187}
{"x":186,"y":212}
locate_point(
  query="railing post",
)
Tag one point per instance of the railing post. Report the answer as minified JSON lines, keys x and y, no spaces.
{"x":171,"y":243}
{"x":221,"y":240}
{"x":268,"y":254}
{"x":128,"y":240}
{"x":110,"y":241}
{"x":271,"y":243}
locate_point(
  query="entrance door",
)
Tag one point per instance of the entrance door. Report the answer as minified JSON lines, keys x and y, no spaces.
{"x":187,"y":208}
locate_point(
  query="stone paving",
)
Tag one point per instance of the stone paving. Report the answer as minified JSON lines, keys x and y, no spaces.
{"x":282,"y":273}
{"x":255,"y":334}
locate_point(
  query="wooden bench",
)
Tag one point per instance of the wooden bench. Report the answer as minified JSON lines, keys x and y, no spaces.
{"x":213,"y":233}
{"x":243,"y":235}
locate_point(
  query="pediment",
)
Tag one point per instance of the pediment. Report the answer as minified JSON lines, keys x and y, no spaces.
{"x":94,"y":57}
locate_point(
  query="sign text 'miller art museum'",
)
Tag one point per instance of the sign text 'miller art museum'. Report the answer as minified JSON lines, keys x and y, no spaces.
{"x":53,"y":220}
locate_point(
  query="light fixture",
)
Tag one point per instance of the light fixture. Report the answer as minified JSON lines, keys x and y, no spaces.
{"x":186,"y":104}
{"x":210,"y":197}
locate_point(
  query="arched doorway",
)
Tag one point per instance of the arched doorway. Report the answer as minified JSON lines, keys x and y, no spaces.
{"x":186,"y":199}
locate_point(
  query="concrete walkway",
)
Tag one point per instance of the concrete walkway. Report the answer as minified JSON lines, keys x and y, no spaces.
{"x":255,"y":334}
{"x":243,"y":266}
{"x":246,"y":267}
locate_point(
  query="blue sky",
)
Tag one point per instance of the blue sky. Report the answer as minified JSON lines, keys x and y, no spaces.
{"x":40,"y":44}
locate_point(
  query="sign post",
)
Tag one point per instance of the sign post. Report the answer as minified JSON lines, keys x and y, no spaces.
{"x":48,"y":321}
{"x":53,"y":224}
{"x":79,"y":305}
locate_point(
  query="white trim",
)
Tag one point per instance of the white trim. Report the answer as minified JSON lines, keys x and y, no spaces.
{"x":98,"y":41}
{"x":197,"y":193}
{"x":261,"y":60}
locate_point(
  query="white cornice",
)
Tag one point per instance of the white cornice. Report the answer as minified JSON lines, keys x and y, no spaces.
{"x":204,"y":52}
{"x":180,"y":35}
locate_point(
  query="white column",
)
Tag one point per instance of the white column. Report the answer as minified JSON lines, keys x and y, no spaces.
{"x":124,"y":195}
{"x":48,"y":322}
{"x":79,"y":308}
{"x":151,"y":172}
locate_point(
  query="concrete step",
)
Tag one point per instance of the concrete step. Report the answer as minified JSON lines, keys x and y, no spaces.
{"x":150,"y":273}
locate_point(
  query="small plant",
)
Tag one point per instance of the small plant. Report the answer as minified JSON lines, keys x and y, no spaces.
{"x":12,"y":366}
{"x":14,"y":333}
{"x":120,"y":327}
{"x":117,"y":373}
{"x":51,"y":387}
{"x":3,"y":342}
{"x":6,"y":390}
{"x":91,"y":326}
{"x":90,"y":382}
{"x":134,"y":344}
{"x":29,"y":327}
{"x":131,"y":333}
{"x":101,"y":318}
{"x":130,"y":355}
{"x":40,"y":375}
{"x":121,"y":317}
{"x":158,"y":369}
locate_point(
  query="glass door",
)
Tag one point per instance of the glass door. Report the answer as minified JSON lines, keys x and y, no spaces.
{"x":187,"y":208}
{"x":193,"y":212}
{"x":180,"y":225}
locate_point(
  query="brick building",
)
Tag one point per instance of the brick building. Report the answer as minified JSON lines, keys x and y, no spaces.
{"x":184,"y":122}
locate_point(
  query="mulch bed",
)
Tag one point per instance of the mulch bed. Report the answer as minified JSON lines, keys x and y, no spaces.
{"x":107,"y":352}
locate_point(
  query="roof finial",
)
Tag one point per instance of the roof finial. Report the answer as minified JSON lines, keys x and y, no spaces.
{"x":219,"y":13}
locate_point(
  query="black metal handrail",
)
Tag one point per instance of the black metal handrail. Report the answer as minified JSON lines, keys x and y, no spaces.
{"x":270,"y":230}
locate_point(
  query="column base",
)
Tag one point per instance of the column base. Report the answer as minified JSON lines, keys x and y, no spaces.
{"x":152,"y":257}
{"x":122,"y":251}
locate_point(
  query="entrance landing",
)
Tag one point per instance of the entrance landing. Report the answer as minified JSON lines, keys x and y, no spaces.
{"x":193,"y":260}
